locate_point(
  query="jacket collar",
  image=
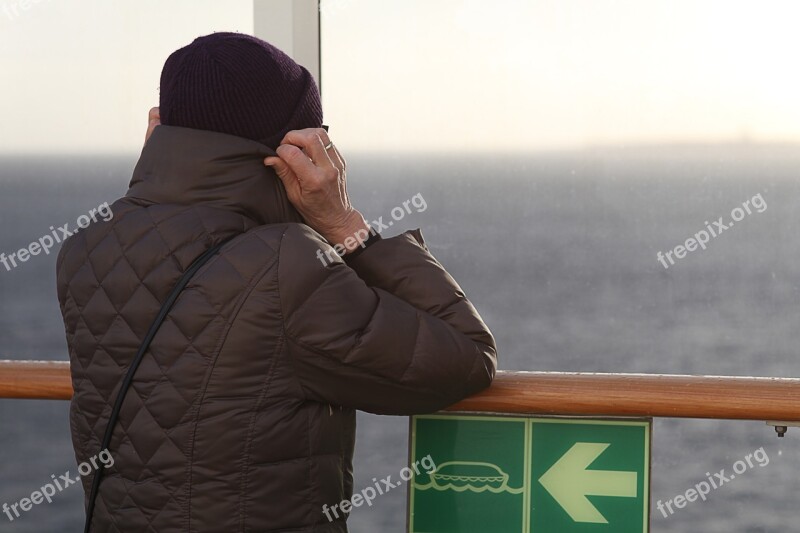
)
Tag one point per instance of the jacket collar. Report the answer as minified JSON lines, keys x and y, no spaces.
{"x":187,"y":166}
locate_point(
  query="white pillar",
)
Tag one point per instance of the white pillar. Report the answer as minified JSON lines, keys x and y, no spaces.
{"x":292,"y":26}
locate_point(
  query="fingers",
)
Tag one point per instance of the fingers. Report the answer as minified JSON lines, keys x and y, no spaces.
{"x":281,"y":168}
{"x":313,"y":142}
{"x":333,"y":153}
{"x":338,"y":158}
{"x":153,"y":120}
{"x":297,"y":161}
{"x":307,"y":169}
{"x":289,"y":179}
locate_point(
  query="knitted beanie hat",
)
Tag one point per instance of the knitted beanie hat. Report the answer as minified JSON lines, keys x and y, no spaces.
{"x":237,"y":84}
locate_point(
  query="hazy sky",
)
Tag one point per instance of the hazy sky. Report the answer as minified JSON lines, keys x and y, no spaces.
{"x":80,"y":75}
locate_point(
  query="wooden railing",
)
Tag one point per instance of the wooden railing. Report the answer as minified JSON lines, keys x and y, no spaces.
{"x":35,"y":380}
{"x":560,"y":393}
{"x":656,"y":395}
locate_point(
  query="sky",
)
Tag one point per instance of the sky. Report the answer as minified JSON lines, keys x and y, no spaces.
{"x":428,"y":75}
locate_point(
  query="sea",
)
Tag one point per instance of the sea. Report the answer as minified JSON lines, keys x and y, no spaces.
{"x":557,"y":250}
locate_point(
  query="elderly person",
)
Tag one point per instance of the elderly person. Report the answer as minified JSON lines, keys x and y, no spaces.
{"x":218,"y":360}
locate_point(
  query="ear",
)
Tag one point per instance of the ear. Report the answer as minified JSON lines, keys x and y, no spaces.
{"x":153,"y":120}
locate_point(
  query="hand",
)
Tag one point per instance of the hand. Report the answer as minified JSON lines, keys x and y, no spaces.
{"x":153,"y":120}
{"x":316,"y":184}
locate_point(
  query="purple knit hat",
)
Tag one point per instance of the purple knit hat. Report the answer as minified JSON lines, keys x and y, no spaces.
{"x":237,"y":84}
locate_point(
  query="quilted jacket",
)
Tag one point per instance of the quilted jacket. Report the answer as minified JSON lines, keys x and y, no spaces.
{"x":241,"y":416}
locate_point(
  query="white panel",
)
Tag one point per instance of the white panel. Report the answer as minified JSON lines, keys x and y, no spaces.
{"x":292,"y":26}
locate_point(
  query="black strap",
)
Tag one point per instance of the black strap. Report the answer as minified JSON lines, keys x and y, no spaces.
{"x":126,"y":383}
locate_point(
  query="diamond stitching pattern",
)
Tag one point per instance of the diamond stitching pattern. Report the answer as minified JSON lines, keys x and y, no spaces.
{"x":108,"y":307}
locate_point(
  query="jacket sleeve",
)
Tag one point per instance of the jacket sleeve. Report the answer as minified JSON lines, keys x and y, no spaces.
{"x":392,"y":333}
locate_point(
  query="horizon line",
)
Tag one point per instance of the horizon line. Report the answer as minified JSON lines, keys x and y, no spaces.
{"x":593,"y":147}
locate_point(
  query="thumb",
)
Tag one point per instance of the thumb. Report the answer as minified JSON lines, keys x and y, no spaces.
{"x":285,"y":174}
{"x":280,"y":167}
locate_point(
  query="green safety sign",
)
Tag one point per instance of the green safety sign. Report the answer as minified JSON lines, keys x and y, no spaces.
{"x":513,"y":474}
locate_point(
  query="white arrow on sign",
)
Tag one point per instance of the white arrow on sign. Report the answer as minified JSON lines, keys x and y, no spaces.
{"x":569,"y":482}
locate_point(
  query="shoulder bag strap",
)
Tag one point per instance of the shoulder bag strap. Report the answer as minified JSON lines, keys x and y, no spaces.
{"x":126,"y":383}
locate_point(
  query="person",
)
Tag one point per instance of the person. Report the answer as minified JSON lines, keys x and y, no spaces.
{"x":241,"y":415}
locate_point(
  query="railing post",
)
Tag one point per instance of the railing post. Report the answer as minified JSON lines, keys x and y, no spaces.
{"x":293,"y":26}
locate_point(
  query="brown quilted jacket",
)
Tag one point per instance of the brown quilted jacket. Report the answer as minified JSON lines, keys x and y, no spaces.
{"x":241,"y":416}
